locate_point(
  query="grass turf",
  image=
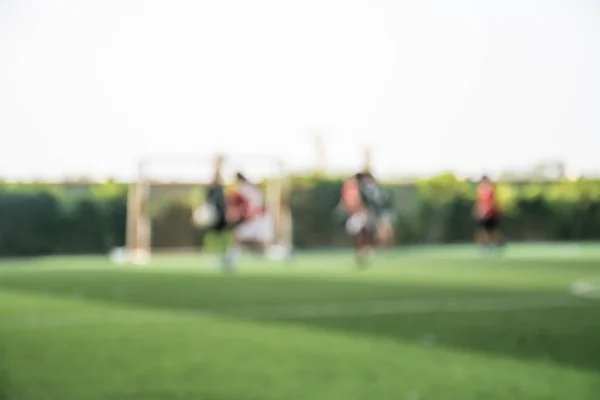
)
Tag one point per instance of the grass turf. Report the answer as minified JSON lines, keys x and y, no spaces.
{"x":424,"y":323}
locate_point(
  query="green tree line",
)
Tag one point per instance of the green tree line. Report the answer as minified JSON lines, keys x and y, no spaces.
{"x":41,"y":219}
{"x":38,"y":219}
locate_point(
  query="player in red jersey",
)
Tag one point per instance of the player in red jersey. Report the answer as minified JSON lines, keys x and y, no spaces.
{"x":487,"y":214}
{"x":250,"y":219}
{"x":357,"y":222}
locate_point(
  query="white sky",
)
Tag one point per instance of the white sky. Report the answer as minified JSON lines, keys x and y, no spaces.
{"x":86,"y":86}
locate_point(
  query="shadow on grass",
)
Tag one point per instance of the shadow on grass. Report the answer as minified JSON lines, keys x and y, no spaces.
{"x":567,"y":336}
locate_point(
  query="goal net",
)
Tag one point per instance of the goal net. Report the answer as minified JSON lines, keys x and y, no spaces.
{"x":168,"y":188}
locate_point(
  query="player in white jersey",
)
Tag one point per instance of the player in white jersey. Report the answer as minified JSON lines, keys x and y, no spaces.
{"x":253,"y":223}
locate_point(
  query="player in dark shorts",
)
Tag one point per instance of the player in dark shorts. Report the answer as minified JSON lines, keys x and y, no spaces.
{"x":356,"y":218}
{"x":215,"y":197}
{"x":364,"y":203}
{"x":488,"y":215}
{"x":378,"y":204}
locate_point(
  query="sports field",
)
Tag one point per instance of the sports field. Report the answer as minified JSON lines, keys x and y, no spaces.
{"x":422,"y":323}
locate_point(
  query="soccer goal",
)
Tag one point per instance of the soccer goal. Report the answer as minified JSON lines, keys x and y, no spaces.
{"x":168,"y":188}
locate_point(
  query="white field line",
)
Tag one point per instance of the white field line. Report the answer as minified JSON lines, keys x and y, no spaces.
{"x":357,"y":309}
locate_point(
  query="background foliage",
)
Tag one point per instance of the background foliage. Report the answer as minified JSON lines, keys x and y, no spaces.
{"x":75,"y":218}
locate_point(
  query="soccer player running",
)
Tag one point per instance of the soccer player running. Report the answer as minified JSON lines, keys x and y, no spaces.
{"x":356,"y":221}
{"x":364,"y":201}
{"x":487,"y":214}
{"x":215,"y":197}
{"x":377,"y":202}
{"x":252,"y":224}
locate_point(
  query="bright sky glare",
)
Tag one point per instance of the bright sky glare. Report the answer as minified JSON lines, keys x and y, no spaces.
{"x":88,"y":86}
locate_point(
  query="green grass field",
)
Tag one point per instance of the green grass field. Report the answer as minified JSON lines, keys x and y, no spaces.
{"x":420,"y":324}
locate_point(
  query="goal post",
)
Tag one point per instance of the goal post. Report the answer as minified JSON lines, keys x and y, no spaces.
{"x":179,"y":177}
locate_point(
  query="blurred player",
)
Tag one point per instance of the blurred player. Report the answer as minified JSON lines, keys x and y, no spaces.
{"x":487,"y":214}
{"x":356,"y":218}
{"x":210,"y":216}
{"x":376,"y":201}
{"x":252,"y":224}
{"x":215,"y":195}
{"x":364,"y":203}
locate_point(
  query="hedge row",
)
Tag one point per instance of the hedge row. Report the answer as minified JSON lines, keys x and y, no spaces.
{"x":40,"y":219}
{"x":77,"y":219}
